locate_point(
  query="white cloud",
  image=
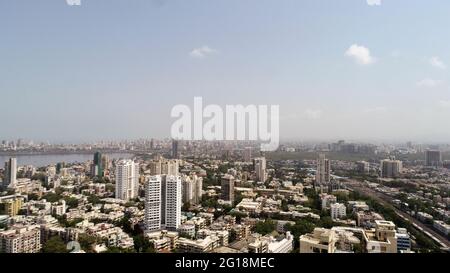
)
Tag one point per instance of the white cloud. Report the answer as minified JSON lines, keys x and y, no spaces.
{"x":360,"y":54}
{"x":202,"y":52}
{"x":444,"y":103}
{"x":73,"y":2}
{"x":429,"y":83}
{"x":436,"y":62}
{"x":378,"y":109}
{"x":313,"y":113}
{"x":374,"y":2}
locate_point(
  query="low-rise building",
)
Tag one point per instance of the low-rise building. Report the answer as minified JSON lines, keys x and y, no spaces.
{"x":327,"y":200}
{"x":282,"y":244}
{"x":66,"y":234}
{"x":382,"y":239}
{"x":209,"y":217}
{"x":21,"y":239}
{"x":403,"y":240}
{"x":11,"y":205}
{"x":356,"y":206}
{"x":338,"y":211}
{"x":242,"y":231}
{"x":223,"y":235}
{"x":59,"y":208}
{"x":187,"y":230}
{"x":258,"y":245}
{"x":366,"y":219}
{"x":204,"y":245}
{"x":248,"y":205}
{"x":320,"y":241}
{"x":347,"y":239}
{"x":163,"y":241}
{"x":114,"y":236}
{"x":281,"y":225}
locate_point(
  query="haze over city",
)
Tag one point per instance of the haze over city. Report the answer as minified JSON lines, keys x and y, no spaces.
{"x":357,"y":69}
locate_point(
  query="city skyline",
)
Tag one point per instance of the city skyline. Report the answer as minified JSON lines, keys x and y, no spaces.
{"x":170,"y":207}
{"x":359,"y":70}
{"x":225,"y":135}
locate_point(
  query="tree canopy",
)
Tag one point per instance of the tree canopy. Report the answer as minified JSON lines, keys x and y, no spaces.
{"x":54,"y":245}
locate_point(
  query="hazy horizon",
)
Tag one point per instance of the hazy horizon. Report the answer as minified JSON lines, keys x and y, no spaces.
{"x":112,"y":69}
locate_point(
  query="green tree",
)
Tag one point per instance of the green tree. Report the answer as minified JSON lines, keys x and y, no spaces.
{"x":94,"y":199}
{"x":209,"y":202}
{"x":313,"y":199}
{"x":39,"y":176}
{"x":223,"y":168}
{"x":265,"y":227}
{"x":52,"y":197}
{"x":186,"y":206}
{"x":237,"y":199}
{"x":284,"y":205}
{"x":326,"y":222}
{"x":341,"y":197}
{"x":33,"y":196}
{"x":358,"y":248}
{"x":300,"y":228}
{"x":110,"y":188}
{"x":54,"y":245}
{"x":71,"y":202}
{"x":238,"y":215}
{"x":142,"y":244}
{"x":87,"y":242}
{"x":59,"y":191}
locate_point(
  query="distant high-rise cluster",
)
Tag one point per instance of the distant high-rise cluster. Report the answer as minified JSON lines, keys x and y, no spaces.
{"x":391,"y":168}
{"x":127,"y":179}
{"x":363,"y":167}
{"x":323,"y":173}
{"x":162,"y":166}
{"x":227,"y":185}
{"x":152,"y":144}
{"x":100,"y":165}
{"x":259,"y":164}
{"x":352,"y":148}
{"x":192,"y":189}
{"x":248,"y":154}
{"x":163,"y":201}
{"x":175,"y":153}
{"x":433,"y":158}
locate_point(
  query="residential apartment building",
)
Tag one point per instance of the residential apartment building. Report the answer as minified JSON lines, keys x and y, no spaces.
{"x":320,"y":241}
{"x":163,"y":201}
{"x":26,"y":239}
{"x":338,"y":211}
{"x":127,"y":180}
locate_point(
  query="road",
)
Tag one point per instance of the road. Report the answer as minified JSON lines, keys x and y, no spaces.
{"x":387,"y":200}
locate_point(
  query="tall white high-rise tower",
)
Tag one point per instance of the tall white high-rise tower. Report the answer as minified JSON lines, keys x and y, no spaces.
{"x":163,"y":201}
{"x":127,"y":179}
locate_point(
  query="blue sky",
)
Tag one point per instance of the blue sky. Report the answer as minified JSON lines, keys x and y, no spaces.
{"x":112,"y":69}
